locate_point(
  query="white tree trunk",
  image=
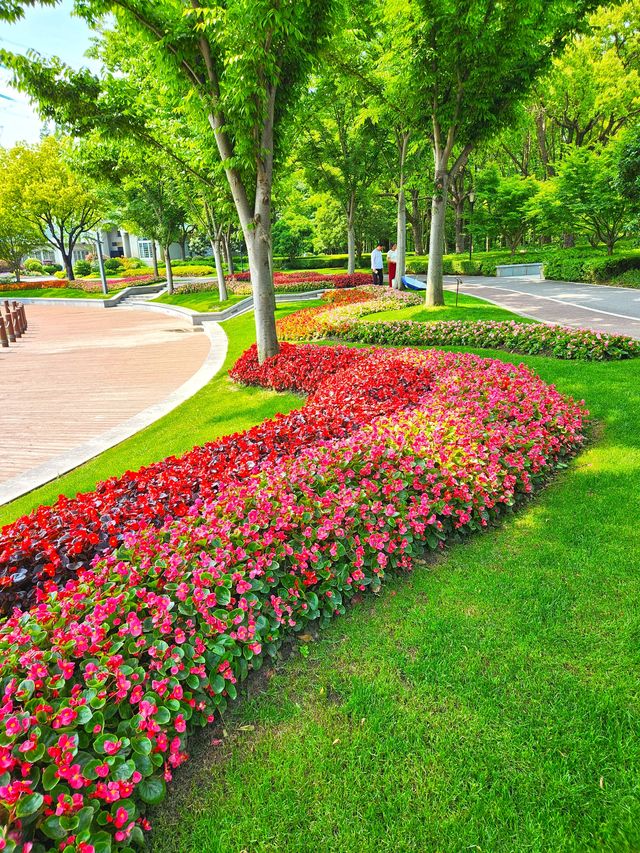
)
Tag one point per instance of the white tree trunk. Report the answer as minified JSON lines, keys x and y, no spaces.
{"x":351,"y":249}
{"x":167,"y":263}
{"x":401,"y":240}
{"x":435,"y":290}
{"x":222,"y":285}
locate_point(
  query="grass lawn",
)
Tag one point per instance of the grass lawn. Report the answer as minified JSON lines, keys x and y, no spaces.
{"x":469,"y":308}
{"x":56,"y":292}
{"x":220,"y":408}
{"x":487,"y":702}
{"x":204,"y":301}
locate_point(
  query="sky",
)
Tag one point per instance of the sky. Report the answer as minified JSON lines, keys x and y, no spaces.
{"x":51,"y":31}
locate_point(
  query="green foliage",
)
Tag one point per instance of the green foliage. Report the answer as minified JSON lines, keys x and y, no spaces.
{"x":502,"y":204}
{"x":34,"y":265}
{"x":82,"y":268}
{"x":588,"y":189}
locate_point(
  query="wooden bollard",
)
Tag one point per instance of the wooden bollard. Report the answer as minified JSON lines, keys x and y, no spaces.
{"x":17,"y":313}
{"x":10,"y":329}
{"x":17,"y":331}
{"x":23,"y":312}
{"x":4,"y":340}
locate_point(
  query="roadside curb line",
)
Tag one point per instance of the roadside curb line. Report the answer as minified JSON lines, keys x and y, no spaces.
{"x":21,"y":485}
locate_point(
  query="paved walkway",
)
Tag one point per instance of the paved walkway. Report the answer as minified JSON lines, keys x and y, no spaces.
{"x":589,"y":306}
{"x":80,"y":374}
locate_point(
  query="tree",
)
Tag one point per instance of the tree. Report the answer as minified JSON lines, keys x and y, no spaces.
{"x":588,"y":189}
{"x":17,"y":236}
{"x":503,"y":205}
{"x":339,"y":148}
{"x":49,"y":196}
{"x":475,"y":60}
{"x":234,"y":68}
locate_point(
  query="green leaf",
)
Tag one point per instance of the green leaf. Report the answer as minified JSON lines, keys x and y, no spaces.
{"x":52,"y":829}
{"x":141,"y":745}
{"x":29,"y":805}
{"x":49,"y":777}
{"x":152,"y":791}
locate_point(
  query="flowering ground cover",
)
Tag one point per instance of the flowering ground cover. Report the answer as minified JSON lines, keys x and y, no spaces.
{"x":104,"y":678}
{"x":301,"y":282}
{"x":489,"y":700}
{"x":345,"y":321}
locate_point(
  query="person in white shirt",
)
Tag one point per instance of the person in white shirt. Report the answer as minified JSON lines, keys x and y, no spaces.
{"x":377,"y":265}
{"x":392,"y":257}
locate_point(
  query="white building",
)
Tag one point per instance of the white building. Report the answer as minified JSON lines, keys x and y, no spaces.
{"x":116,"y":243}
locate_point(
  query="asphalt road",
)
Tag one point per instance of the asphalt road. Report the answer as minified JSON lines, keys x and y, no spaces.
{"x":600,"y":307}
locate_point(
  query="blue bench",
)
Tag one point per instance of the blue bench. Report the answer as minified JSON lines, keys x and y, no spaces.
{"x":413,"y":283}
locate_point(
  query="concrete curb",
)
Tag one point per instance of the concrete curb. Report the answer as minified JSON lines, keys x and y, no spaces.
{"x":110,"y":302}
{"x":65,"y":462}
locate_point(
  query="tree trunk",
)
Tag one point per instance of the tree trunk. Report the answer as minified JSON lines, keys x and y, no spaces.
{"x":68,"y":266}
{"x":167,"y":263}
{"x":459,"y":209}
{"x":416,"y":223}
{"x":351,"y":235}
{"x":154,"y":259}
{"x":568,"y":240}
{"x":401,"y":231}
{"x":16,"y":270}
{"x":264,"y":303}
{"x":222,"y":286}
{"x":183,"y":249}
{"x":435,"y":289}
{"x":228,"y":253}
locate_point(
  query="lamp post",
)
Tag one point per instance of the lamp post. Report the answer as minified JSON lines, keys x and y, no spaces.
{"x":103,"y":276}
{"x":472,"y":198}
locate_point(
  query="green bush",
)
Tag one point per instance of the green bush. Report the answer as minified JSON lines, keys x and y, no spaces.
{"x":607,"y":268}
{"x":82,"y":268}
{"x":630,"y":278}
{"x":113,"y":265}
{"x":50,"y":269}
{"x":33,"y":265}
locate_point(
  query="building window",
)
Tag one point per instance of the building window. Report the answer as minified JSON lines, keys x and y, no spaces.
{"x":79,"y":254}
{"x":145,"y":250}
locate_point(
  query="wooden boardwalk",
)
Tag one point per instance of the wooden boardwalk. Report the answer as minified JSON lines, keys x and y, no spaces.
{"x":78,"y":371}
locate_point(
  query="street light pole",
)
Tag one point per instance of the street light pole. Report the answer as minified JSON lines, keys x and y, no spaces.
{"x":103,"y":275}
{"x":472,"y":198}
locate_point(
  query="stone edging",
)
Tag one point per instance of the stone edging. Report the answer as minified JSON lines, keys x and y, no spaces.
{"x":110,"y":302}
{"x":65,"y":462}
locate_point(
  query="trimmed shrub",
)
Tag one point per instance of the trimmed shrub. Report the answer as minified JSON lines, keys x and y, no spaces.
{"x":50,"y":269}
{"x":33,"y":265}
{"x":195,"y":270}
{"x":82,"y":268}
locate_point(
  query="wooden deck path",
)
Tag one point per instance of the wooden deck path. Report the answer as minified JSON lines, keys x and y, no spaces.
{"x":78,"y":371}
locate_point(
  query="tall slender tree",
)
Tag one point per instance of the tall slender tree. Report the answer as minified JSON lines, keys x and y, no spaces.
{"x":235,"y":67}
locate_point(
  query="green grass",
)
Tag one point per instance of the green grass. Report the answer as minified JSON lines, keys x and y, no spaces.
{"x":208,"y":300}
{"x":469,"y":308}
{"x":57,"y":292}
{"x":220,"y":408}
{"x":487,"y":702}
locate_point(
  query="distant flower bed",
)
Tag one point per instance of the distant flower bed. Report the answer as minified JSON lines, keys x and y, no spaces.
{"x":526,"y":338}
{"x":340,"y":308}
{"x":341,"y":318}
{"x":34,"y":285}
{"x":300,"y":282}
{"x":262,"y":534}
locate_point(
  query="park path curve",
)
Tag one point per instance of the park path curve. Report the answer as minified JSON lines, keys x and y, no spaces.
{"x":82,"y":380}
{"x":589,"y":306}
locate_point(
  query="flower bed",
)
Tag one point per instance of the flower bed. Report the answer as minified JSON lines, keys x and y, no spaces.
{"x":527,"y":338}
{"x":299,"y":282}
{"x":340,"y":308}
{"x":342,"y":319}
{"x":35,"y":285}
{"x":104,"y":679}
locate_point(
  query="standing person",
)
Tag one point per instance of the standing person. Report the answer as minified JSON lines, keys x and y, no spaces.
{"x":377,"y":265}
{"x":392,"y":257}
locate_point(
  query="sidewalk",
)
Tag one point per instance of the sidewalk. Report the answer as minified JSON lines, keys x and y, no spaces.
{"x":558,"y":302}
{"x":78,"y":373}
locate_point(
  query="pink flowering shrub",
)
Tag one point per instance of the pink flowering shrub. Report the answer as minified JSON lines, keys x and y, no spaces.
{"x":103,"y":678}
